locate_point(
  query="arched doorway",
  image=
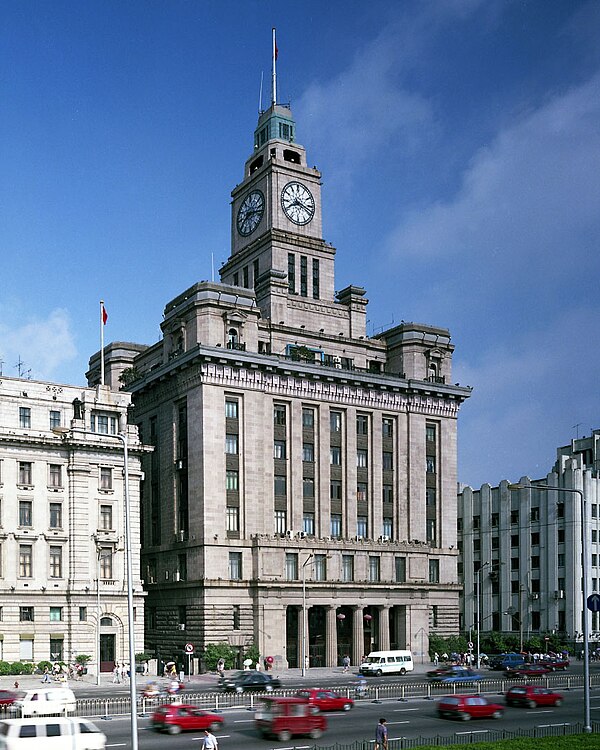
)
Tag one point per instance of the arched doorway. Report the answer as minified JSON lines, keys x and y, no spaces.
{"x":108,"y":644}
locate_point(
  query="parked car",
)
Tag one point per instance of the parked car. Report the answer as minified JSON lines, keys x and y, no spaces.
{"x":175,"y":718}
{"x":467,"y":707}
{"x":532,"y":696}
{"x":7,"y":697}
{"x":241,"y":682}
{"x":554,"y":662}
{"x":326,"y":700}
{"x":285,"y":717}
{"x":527,"y":670}
{"x":455,"y":674}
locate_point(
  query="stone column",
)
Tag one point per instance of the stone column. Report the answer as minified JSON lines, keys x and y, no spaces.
{"x":384,"y":628}
{"x":331,"y":637}
{"x":358,"y":637}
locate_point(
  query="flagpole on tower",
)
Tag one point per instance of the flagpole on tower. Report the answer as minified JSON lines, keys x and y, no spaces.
{"x":274,"y":91}
{"x":103,"y":317}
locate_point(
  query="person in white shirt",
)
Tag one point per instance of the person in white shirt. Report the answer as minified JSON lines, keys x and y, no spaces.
{"x":210,"y":741}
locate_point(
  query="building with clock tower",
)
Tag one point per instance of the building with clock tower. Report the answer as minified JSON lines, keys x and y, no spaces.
{"x":301,"y":495}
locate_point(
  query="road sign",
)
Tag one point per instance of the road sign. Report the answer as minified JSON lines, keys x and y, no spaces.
{"x":593,"y":602}
{"x":470,"y":645}
{"x":189,"y":648}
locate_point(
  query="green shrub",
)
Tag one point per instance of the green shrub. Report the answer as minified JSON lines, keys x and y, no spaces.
{"x":4,"y":668}
{"x":216,"y":651}
{"x":43,"y":664}
{"x":27,"y":667}
{"x":82,"y":659}
{"x":17,"y":667}
{"x":253,"y":653}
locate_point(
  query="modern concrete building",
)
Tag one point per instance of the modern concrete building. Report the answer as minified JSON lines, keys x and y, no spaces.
{"x":526,"y":544}
{"x":302,"y":491}
{"x":62,"y":576}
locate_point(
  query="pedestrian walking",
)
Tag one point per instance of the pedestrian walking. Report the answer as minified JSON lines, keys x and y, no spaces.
{"x":46,"y":677}
{"x":210,"y":741}
{"x":381,"y":735}
{"x":117,"y":675}
{"x":346,"y":663}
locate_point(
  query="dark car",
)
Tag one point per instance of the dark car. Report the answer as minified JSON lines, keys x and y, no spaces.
{"x":241,"y":682}
{"x":7,"y":697}
{"x":532,"y":696}
{"x":467,"y":707}
{"x":554,"y":662}
{"x":175,"y":718}
{"x":527,"y":670}
{"x":505,"y":661}
{"x":326,"y":700}
{"x":455,"y":674}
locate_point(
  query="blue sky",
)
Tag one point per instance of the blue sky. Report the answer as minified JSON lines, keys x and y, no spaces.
{"x":459,"y":143}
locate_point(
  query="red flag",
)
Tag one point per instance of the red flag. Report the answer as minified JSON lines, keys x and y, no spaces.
{"x":276,"y":51}
{"x":104,"y":315}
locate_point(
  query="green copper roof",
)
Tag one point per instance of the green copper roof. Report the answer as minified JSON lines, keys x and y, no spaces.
{"x":275,"y":123}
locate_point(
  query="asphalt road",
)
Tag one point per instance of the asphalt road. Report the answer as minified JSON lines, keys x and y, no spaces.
{"x":414,"y":718}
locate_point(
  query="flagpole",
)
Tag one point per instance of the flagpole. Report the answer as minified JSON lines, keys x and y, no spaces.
{"x":274,"y":91}
{"x":101,"y":342}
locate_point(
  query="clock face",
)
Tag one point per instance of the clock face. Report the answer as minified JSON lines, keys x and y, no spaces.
{"x":297,"y":203}
{"x":250,"y":212}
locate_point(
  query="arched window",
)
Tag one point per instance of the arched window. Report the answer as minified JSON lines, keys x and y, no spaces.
{"x":106,"y":621}
{"x":232,"y":338}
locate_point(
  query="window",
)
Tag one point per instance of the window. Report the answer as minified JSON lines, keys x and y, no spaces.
{"x":105,"y":478}
{"x":388,"y":493}
{"x":303,"y":276}
{"x":245,"y":277}
{"x":308,"y":418}
{"x":236,"y":279}
{"x":308,"y":452}
{"x":362,"y":459}
{"x":430,"y":464}
{"x":232,"y":480}
{"x":56,"y":614}
{"x":362,"y":526}
{"x":335,"y":456}
{"x":495,"y":520}
{"x":535,"y":538}
{"x":535,"y":514}
{"x":308,"y":524}
{"x":495,"y":542}
{"x":514,"y":540}
{"x":106,"y":563}
{"x":56,"y":515}
{"x":25,"y":560}
{"x":55,"y":475}
{"x":430,"y":530}
{"x":361,"y":491}
{"x":255,"y":271}
{"x":236,"y":616}
{"x":235,"y":566}
{"x":514,"y":563}
{"x":387,"y":427}
{"x":55,"y":562}
{"x":388,"y":461}
{"x":82,"y":614}
{"x":514,"y":518}
{"x":560,"y":536}
{"x":279,"y":449}
{"x":151,"y":570}
{"x":320,"y":567}
{"x":374,"y":569}
{"x":347,"y":567}
{"x":335,"y":421}
{"x":106,"y":517}
{"x":231,"y":444}
{"x":315,"y":279}
{"x":476,"y":523}
{"x":335,"y":525}
{"x":362,"y":424}
{"x":104,"y":424}
{"x":400,"y":569}
{"x":25,"y":513}
{"x":430,"y":497}
{"x":280,"y":521}
{"x":25,"y":473}
{"x":233,"y":519}
{"x":308,"y":487}
{"x":291,"y":566}
{"x":279,"y":414}
{"x":280,"y":484}
{"x":26,"y":614}
{"x":430,"y":433}
{"x":387,"y":528}
{"x":231,"y":409}
{"x":24,"y":417}
{"x":54,"y":419}
{"x":435,"y":618}
{"x":182,"y":566}
{"x":434,"y":571}
{"x":291,"y":273}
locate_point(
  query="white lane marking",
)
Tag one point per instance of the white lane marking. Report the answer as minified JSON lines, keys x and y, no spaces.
{"x":401,"y":710}
{"x":477,"y":731}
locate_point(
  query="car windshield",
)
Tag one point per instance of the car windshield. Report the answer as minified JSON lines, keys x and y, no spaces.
{"x":372,"y":660}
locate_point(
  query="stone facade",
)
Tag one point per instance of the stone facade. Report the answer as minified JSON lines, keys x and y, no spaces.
{"x":62,"y":523}
{"x":300,"y":466}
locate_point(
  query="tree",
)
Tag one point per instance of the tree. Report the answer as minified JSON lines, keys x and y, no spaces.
{"x":215,"y":651}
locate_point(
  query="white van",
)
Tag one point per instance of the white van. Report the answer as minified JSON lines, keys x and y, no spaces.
{"x":387,"y":662}
{"x":44,"y":702}
{"x":56,"y":733}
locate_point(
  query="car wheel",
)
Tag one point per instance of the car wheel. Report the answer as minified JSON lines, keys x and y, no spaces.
{"x":403,"y":671}
{"x":269,"y":688}
{"x":497,"y":715}
{"x":465,"y":717}
{"x":239,"y":689}
{"x":347,"y":706}
{"x":215,"y":726}
{"x":174,"y":729}
{"x":315,"y":733}
{"x":378,"y":673}
{"x":558,"y":702}
{"x":531,"y":704}
{"x":284,"y":736}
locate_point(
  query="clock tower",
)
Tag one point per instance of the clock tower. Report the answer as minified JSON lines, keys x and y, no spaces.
{"x":277,"y":247}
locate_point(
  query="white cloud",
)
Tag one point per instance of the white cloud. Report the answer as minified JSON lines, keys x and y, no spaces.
{"x":43,"y":345}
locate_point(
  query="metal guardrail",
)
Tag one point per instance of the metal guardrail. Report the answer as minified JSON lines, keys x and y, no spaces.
{"x":108,"y":707}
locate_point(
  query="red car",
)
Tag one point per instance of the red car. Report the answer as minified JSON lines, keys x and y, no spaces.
{"x":467,"y":707}
{"x":326,"y":700}
{"x":7,"y":697}
{"x":528,"y":670}
{"x":532,"y":696}
{"x":554,"y":662}
{"x":177,"y":718}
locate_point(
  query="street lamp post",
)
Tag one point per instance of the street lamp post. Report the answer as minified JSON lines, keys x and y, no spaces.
{"x":587,"y":722}
{"x":304,"y":564}
{"x":478,"y":611}
{"x":128,"y":557}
